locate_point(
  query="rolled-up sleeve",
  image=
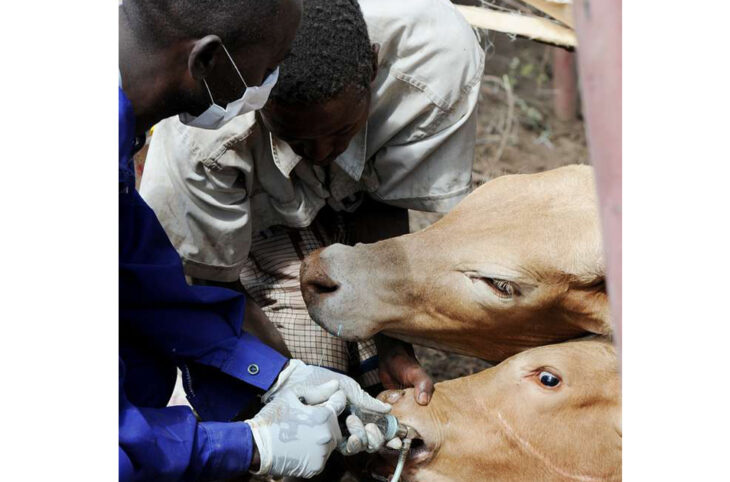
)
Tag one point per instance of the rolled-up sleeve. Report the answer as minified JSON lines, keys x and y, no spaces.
{"x":170,"y":444}
{"x":198,"y":183}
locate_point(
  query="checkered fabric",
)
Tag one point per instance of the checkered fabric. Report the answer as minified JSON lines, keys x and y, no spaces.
{"x":271,"y":277}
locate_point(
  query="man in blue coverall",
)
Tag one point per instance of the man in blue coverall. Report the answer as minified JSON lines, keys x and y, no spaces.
{"x":208,"y":61}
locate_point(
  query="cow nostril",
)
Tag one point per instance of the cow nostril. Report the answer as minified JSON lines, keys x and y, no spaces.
{"x":323,"y":286}
{"x":418,"y":450}
{"x":316,"y":282}
{"x":314,"y":278}
{"x":417,"y":444}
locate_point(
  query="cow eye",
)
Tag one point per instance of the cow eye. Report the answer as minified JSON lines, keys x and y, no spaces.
{"x":548,"y":379}
{"x":503,"y":288}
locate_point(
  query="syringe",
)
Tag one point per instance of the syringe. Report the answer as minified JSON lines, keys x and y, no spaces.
{"x":389,"y":426}
{"x":387,"y":423}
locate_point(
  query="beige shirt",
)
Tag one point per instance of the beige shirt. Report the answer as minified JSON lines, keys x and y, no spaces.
{"x":212,"y":189}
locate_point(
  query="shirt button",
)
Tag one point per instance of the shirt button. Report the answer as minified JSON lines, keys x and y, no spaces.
{"x":253,"y":369}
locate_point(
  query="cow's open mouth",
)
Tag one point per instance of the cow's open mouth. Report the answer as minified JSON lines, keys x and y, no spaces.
{"x":384,"y":464}
{"x":417,"y":452}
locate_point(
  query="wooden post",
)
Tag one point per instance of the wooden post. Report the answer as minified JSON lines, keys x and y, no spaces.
{"x":598,"y":25}
{"x":564,"y":84}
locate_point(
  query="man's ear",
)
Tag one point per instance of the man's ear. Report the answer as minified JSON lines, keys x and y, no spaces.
{"x":376,"y":50}
{"x":202,"y":57}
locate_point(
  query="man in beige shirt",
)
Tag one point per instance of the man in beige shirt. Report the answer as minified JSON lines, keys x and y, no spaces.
{"x":368,"y":119}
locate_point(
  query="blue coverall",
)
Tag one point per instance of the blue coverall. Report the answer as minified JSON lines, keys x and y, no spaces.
{"x":164,"y":323}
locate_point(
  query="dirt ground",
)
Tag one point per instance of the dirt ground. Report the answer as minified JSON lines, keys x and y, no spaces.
{"x":535,"y":141}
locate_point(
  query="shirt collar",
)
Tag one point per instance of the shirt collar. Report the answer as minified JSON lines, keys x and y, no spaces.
{"x":284,"y":157}
{"x":352,"y":161}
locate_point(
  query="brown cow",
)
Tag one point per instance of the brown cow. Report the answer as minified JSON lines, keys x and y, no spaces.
{"x":517,"y":264}
{"x":551,"y":413}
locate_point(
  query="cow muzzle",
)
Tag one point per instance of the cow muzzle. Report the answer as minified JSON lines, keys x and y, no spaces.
{"x":422,"y":447}
{"x":335,"y":294}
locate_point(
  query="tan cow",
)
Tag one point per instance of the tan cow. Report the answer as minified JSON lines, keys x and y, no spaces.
{"x":551,"y":413}
{"x":517,"y":264}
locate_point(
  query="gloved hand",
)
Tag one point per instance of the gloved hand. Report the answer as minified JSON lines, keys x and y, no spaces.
{"x":362,"y":437}
{"x":295,"y":438}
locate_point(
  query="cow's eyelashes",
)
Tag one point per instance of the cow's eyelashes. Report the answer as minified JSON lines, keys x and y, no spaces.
{"x":502,"y":288}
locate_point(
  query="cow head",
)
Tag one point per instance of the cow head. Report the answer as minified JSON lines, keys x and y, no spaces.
{"x":516,"y":264}
{"x":549,"y":413}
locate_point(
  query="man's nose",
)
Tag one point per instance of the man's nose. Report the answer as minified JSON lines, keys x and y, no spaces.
{"x":320,"y":152}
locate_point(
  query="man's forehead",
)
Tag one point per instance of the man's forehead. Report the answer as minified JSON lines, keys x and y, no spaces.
{"x":313,"y":121}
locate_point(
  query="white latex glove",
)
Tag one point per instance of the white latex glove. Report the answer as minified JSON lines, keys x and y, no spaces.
{"x":362,"y":437}
{"x":295,"y":438}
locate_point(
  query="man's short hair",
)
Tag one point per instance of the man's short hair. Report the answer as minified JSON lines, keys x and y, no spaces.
{"x":330,"y":52}
{"x":236,"y":22}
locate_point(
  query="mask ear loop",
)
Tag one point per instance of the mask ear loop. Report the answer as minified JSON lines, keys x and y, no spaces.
{"x":212,"y":102}
{"x":234,"y":65}
{"x":237,"y":71}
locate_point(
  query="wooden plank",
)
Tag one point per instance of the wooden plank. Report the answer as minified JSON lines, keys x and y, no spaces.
{"x":565,"y":98}
{"x":559,"y":11}
{"x":534,"y":28}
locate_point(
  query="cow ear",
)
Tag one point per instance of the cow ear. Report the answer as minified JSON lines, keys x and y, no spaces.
{"x":587,"y":308}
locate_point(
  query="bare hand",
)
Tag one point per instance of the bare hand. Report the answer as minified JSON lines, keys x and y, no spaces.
{"x":399,"y":368}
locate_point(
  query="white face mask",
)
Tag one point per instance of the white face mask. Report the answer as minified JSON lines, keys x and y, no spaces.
{"x":216,"y":116}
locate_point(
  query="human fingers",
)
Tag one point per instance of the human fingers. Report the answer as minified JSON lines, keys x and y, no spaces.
{"x":358,"y":438}
{"x":417,"y":378}
{"x":376,"y":439}
{"x":316,"y":394}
